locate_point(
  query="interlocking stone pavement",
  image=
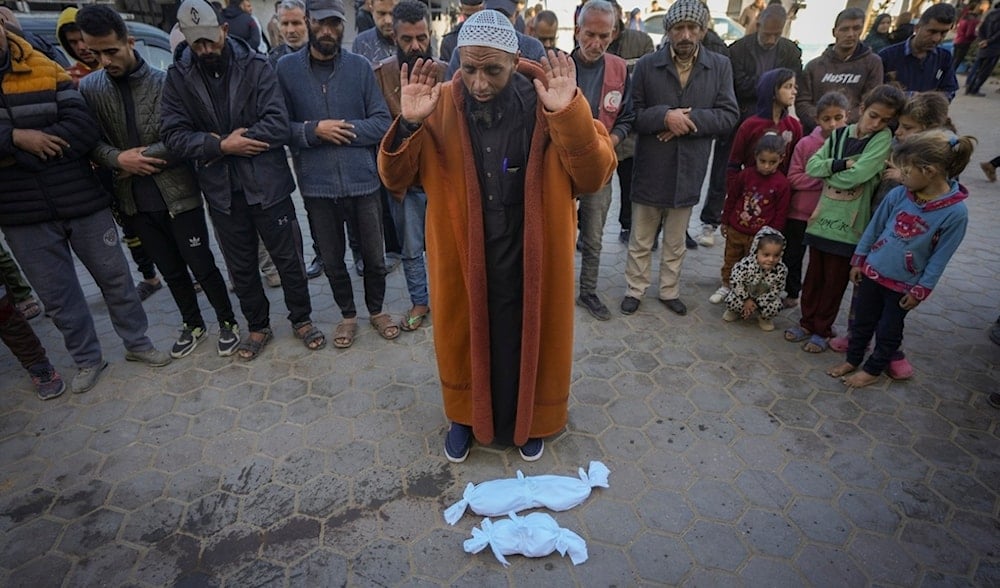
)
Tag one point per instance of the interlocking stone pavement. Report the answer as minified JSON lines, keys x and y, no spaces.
{"x":735,"y":460}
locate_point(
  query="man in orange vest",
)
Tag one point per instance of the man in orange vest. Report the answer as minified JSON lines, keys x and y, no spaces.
{"x":603,"y":79}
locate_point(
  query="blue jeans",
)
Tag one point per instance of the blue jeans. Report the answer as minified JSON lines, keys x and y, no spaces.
{"x":44,"y":250}
{"x":408,"y":217}
{"x":592,"y":214}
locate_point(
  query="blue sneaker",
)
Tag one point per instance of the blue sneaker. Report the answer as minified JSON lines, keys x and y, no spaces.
{"x":532,"y":450}
{"x":457,"y":443}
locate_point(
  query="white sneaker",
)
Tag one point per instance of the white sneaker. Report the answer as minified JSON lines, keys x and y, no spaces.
{"x":707,"y":237}
{"x":719,"y":295}
{"x":730,"y":316}
{"x":765,"y":324}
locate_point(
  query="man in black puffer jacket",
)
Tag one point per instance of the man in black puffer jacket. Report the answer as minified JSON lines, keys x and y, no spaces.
{"x":241,"y":24}
{"x":52,"y":202}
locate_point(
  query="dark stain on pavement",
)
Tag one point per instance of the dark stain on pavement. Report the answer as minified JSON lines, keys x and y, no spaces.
{"x":34,"y":504}
{"x":430,"y":484}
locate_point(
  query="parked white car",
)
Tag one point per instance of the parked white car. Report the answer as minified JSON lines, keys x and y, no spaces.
{"x":725,"y":27}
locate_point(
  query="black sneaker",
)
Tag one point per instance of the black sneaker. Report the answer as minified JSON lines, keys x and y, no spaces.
{"x":315,"y":268}
{"x":532,"y":450}
{"x":48,"y":383}
{"x":457,"y":443}
{"x":624,"y":235}
{"x":594,"y":305}
{"x":630,"y":305}
{"x":145,"y":289}
{"x":188,"y":340}
{"x":689,"y":242}
{"x":229,"y":338}
{"x":994,"y":399}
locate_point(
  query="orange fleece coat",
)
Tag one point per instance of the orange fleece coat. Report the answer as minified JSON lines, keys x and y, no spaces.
{"x":570,"y":154}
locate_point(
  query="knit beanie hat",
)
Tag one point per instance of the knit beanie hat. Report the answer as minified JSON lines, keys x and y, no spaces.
{"x":488,"y":28}
{"x":685,"y":11}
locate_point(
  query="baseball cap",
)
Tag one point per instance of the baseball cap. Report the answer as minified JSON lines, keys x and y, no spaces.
{"x":197,"y":19}
{"x":321,"y":9}
{"x":505,"y":6}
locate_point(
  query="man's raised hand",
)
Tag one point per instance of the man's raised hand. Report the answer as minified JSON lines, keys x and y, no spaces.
{"x":561,"y":73}
{"x":419,"y":90}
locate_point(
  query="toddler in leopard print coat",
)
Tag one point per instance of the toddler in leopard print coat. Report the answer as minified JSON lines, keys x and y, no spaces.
{"x":758,"y":280}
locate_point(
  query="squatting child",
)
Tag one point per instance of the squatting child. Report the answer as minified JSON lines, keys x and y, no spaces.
{"x":758,"y":281}
{"x":905,"y":248}
{"x":757,"y":197}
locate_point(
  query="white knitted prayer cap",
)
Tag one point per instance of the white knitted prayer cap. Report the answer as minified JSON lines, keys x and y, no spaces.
{"x":488,"y":28}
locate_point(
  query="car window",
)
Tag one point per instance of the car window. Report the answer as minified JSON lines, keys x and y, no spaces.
{"x":654,"y":25}
{"x":154,"y":56}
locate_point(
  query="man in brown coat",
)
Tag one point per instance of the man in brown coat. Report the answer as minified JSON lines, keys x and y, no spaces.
{"x":501,"y":155}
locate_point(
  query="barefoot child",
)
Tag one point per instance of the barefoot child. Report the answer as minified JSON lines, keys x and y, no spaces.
{"x":849,"y":163}
{"x":758,"y":280}
{"x":906,"y":247}
{"x":831,"y":114}
{"x":758,"y":197}
{"x":922,"y":112}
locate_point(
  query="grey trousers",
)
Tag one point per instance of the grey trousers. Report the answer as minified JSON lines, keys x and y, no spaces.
{"x":592,"y":214}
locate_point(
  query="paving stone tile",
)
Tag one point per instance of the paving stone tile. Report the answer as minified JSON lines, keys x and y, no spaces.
{"x":291,"y":539}
{"x":549,"y":571}
{"x":795,"y":413}
{"x":898,"y":462}
{"x":287,"y":390}
{"x":140,"y":489}
{"x":94,"y":530}
{"x":151,"y":408}
{"x":349,"y":532}
{"x":382,"y":562}
{"x":761,"y":571}
{"x":28,"y":475}
{"x":944,"y":454}
{"x":614,"y":569}
{"x":27,"y":505}
{"x":209,"y":514}
{"x":212,"y":422}
{"x":717,"y":500}
{"x":980,"y":533}
{"x":377,"y":486}
{"x":712,"y":429}
{"x":610,"y":521}
{"x":819,"y":521}
{"x":307,"y":410}
{"x":714,"y":460}
{"x":571,"y":450}
{"x":717,"y":578}
{"x":668,"y":397}
{"x":188,"y":380}
{"x":801,"y":444}
{"x":810,"y":479}
{"x":50,"y":569}
{"x":917,"y":501}
{"x":789,"y":387}
{"x":177,"y":454}
{"x":324,"y":496}
{"x":987,"y":573}
{"x":935,"y":579}
{"x":874,"y":400}
{"x":752,"y":393}
{"x":259,"y":573}
{"x":624,"y":442}
{"x":166,"y":562}
{"x":320,"y":568}
{"x":715,"y":545}
{"x":666,"y":470}
{"x":825,"y":565}
{"x":153,"y":522}
{"x":268,"y":505}
{"x":936,"y":548}
{"x":670,"y":435}
{"x":769,"y":533}
{"x":628,"y":411}
{"x":80,"y":500}
{"x":281,"y":439}
{"x":28,"y":541}
{"x":869,"y":511}
{"x":884,"y":559}
{"x":963,"y":491}
{"x":764,"y":489}
{"x":406,"y":519}
{"x":752,"y":420}
{"x":602,"y":368}
{"x":980,"y":445}
{"x":375,"y":425}
{"x":260,"y":416}
{"x":101,"y":414}
{"x":48,"y":420}
{"x":164,"y":429}
{"x":114,"y":436}
{"x":759,"y":452}
{"x":657,"y":558}
{"x":588,"y":419}
{"x":230,"y":448}
{"x":665,"y":511}
{"x":193,"y":482}
{"x":198,"y":401}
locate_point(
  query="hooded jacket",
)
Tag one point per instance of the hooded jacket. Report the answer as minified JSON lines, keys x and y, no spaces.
{"x":241,"y":25}
{"x":907,"y":245}
{"x":741,"y":154}
{"x":79,"y":69}
{"x":570,"y":154}
{"x":35,"y":93}
{"x":854,"y":77}
{"x":749,"y":281}
{"x":191,"y":129}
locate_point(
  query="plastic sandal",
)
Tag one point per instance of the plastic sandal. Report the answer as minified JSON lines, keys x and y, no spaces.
{"x":412,"y":322}
{"x":796,"y":334}
{"x":311,"y":337}
{"x":818,"y":344}
{"x":343,"y":335}
{"x":383,"y":324}
{"x":249,"y":348}
{"x":29,"y":308}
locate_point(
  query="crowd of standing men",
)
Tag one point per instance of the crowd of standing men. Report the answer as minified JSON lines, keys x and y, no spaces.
{"x":498,"y":173}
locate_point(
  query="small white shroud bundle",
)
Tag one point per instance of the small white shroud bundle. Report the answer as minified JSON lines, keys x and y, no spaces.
{"x":534,"y":535}
{"x":499,"y":497}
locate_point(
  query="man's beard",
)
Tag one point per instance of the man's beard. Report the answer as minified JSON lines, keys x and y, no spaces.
{"x":211,"y":63}
{"x":411,"y":58}
{"x":326,"y":46}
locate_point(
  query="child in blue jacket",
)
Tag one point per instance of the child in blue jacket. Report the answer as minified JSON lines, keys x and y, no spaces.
{"x":905,"y":248}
